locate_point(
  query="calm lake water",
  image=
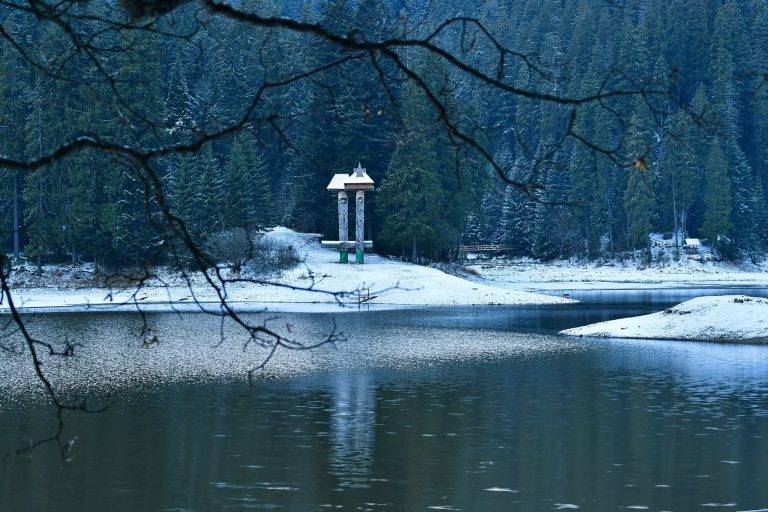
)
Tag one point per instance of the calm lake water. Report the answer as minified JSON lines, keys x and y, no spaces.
{"x":444,"y":409}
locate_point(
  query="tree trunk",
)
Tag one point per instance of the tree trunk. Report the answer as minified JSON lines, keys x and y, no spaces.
{"x":414,"y":253}
{"x":678,"y":242}
{"x":674,"y":215}
{"x":16,"y":216}
{"x":683,"y":222}
{"x":611,"y":244}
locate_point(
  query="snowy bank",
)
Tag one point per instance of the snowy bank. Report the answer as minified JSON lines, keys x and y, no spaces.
{"x":381,"y":281}
{"x":669,"y":268}
{"x":731,"y":318}
{"x":527,"y":274}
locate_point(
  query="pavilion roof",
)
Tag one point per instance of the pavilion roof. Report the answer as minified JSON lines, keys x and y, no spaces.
{"x":337,"y":182}
{"x":358,"y":180}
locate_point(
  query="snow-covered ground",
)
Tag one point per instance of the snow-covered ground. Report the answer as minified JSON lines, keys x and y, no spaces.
{"x":731,"y":318}
{"x":670,"y":268}
{"x":381,"y":281}
{"x":531,"y":275}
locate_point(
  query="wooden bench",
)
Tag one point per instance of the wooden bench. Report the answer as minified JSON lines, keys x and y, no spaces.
{"x":484,"y":248}
{"x":350,"y":245}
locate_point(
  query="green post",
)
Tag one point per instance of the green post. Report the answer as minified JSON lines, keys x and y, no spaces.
{"x":359,"y":256}
{"x":343,"y":256}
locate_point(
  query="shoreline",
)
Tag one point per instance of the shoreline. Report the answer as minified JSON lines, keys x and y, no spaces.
{"x":47,"y":303}
{"x":242,"y":306}
{"x":383,"y":283}
{"x":559,"y":286}
{"x":317,"y":279}
{"x":566,"y":276}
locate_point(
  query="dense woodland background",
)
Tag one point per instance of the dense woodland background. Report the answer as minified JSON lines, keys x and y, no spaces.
{"x":694,"y":160}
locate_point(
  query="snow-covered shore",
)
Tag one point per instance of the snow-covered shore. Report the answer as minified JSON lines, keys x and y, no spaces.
{"x":731,"y":318}
{"x":531,"y":275}
{"x":380,"y":282}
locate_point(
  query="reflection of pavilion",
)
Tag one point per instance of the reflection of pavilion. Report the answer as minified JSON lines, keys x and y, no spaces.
{"x":352,"y":424}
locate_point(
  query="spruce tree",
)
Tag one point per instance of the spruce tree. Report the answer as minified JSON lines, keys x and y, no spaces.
{"x":408,"y":205}
{"x":237,"y":207}
{"x":678,"y":168}
{"x":716,"y":226}
{"x":409,"y":201}
{"x":247,"y":198}
{"x":639,"y":202}
{"x":182,"y":188}
{"x":757,"y":148}
{"x":761,"y":209}
{"x":744,"y":215}
{"x":207,"y":215}
{"x":42,"y":191}
{"x":472,"y":233}
{"x":548,"y":222}
{"x":261,"y":190}
{"x":514,"y":224}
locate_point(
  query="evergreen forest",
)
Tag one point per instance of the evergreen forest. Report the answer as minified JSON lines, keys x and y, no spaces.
{"x":687,"y":158}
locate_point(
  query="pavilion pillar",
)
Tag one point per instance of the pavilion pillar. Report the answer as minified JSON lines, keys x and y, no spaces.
{"x":360,"y":226}
{"x":343,"y":184}
{"x":343,"y":227}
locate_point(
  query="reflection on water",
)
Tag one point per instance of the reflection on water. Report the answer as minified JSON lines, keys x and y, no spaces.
{"x":458,"y":409}
{"x":352,"y":421}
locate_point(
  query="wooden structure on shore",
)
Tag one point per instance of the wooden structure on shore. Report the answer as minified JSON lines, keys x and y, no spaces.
{"x":359,"y":182}
{"x":483,"y":249}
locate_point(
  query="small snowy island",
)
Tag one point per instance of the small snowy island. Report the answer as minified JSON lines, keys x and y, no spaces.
{"x":727,"y":318}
